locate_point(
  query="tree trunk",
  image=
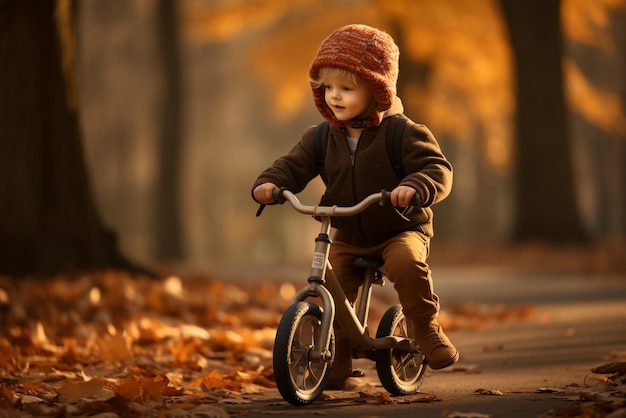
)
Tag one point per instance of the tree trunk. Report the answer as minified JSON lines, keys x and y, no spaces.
{"x":545,"y":187}
{"x":168,"y":199}
{"x":48,"y":219}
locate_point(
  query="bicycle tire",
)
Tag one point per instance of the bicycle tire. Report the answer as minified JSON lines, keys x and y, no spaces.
{"x":299,"y":378}
{"x":400,"y":372}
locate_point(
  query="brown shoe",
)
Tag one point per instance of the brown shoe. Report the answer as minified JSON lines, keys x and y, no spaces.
{"x":338,"y":381}
{"x":435,"y":345}
{"x":341,"y":369}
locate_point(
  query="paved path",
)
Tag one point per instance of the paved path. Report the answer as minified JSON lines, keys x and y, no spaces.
{"x":577,"y":323}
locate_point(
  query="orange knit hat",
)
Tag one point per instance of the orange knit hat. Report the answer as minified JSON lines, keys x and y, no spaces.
{"x":369,"y":53}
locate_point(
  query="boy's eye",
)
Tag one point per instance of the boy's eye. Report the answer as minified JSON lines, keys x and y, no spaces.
{"x":344,"y":88}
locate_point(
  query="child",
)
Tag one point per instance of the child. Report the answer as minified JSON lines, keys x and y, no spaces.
{"x":353,"y":78}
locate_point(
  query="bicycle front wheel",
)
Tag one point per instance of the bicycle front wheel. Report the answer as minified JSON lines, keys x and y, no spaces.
{"x":401,"y":372}
{"x":300,"y":378}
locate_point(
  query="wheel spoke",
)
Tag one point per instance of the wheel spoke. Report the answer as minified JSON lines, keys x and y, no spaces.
{"x":402,"y":361}
{"x":399,"y":370}
{"x":311,"y":376}
{"x":298,"y":359}
{"x":404,"y":368}
{"x":306,"y":373}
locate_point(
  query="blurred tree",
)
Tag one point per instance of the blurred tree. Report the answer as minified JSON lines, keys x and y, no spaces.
{"x":596,"y":92}
{"x":48,"y":219}
{"x":545,"y":188}
{"x":168,"y":236}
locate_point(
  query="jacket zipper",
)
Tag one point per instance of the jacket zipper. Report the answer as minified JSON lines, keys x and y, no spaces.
{"x":354,"y":194}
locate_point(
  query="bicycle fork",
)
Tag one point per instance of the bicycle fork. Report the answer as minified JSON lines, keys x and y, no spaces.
{"x":316,"y":289}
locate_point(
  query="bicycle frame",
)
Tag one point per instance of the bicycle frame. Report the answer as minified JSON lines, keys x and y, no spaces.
{"x":323,"y":283}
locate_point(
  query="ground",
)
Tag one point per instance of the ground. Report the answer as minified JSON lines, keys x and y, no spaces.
{"x":109,"y":344}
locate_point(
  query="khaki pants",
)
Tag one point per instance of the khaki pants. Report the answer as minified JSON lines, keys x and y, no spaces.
{"x":405,"y":263}
{"x":405,"y":266}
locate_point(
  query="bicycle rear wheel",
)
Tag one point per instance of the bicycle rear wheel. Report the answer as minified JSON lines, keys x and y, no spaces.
{"x":300,"y":379}
{"x":401,"y":372}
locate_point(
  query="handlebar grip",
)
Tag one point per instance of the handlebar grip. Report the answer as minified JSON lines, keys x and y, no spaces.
{"x":277,"y":194}
{"x":386,"y":197}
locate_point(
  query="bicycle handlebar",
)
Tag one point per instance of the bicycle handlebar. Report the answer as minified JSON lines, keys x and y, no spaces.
{"x":283,"y":195}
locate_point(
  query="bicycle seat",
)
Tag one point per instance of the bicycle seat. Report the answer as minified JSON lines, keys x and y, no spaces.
{"x":368,"y":262}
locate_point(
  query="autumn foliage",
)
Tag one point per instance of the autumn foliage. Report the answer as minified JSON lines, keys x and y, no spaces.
{"x":125,"y":345}
{"x":113,"y":342}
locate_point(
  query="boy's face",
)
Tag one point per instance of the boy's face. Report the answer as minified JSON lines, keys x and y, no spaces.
{"x":347,"y":100}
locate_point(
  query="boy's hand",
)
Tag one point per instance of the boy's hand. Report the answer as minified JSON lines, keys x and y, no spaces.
{"x":401,"y":196}
{"x":263,"y":193}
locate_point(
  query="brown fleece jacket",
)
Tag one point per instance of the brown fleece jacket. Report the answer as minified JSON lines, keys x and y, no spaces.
{"x":348,"y":182}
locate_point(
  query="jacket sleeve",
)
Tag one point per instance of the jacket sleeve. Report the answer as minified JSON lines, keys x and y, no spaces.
{"x":428,"y":170}
{"x":295,"y":169}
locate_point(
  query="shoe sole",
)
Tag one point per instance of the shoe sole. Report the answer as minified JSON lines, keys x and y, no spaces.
{"x":446,"y":364}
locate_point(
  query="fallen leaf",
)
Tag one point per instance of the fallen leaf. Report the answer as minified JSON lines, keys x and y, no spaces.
{"x":549,"y":390}
{"x":618,"y":368}
{"x":378,"y":397}
{"x":491,"y":392}
{"x":95,"y":389}
{"x":418,"y":398}
{"x":128,"y":390}
{"x":114,"y":348}
{"x":25,"y":399}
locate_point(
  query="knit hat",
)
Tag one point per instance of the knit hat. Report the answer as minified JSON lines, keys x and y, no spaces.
{"x":369,"y":53}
